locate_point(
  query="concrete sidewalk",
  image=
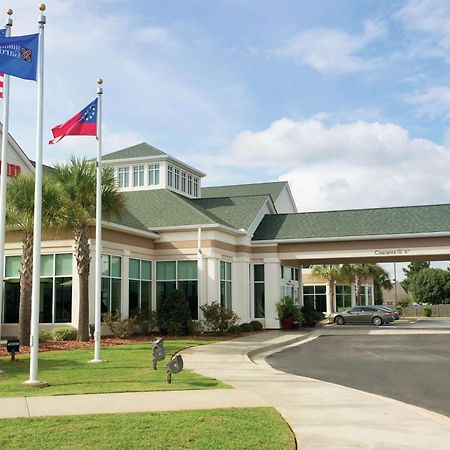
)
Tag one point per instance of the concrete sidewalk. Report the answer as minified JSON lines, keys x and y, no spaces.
{"x":322,"y":415}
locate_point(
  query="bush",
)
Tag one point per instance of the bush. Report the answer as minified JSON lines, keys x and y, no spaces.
{"x":174,"y":315}
{"x":427,"y":311}
{"x":246,"y":327}
{"x":286,"y":308}
{"x":142,"y":324}
{"x":64,"y":334}
{"x":256,"y":325}
{"x":218,"y":319}
{"x":311,"y":317}
{"x":45,"y":336}
{"x":234,"y":329}
{"x":430,"y":285}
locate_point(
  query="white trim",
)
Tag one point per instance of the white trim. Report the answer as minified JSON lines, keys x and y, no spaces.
{"x":129,"y":230}
{"x":203,"y":226}
{"x":352,"y":238}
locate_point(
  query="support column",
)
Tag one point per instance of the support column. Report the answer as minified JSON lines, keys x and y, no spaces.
{"x":125,"y":297}
{"x":212,"y":279}
{"x":240,"y":287}
{"x":272,"y":284}
{"x":300,"y":285}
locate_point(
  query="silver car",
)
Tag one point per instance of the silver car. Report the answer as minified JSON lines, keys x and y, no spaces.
{"x":363,"y":314}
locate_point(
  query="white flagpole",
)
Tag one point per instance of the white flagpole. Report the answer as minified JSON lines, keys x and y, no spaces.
{"x":98,"y":231}
{"x":35,"y":292}
{"x":4,"y":170}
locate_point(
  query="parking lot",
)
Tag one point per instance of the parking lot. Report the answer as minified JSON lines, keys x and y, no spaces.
{"x":412,"y":368}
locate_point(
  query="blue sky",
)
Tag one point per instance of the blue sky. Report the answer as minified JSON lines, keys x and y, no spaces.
{"x":348,"y":100}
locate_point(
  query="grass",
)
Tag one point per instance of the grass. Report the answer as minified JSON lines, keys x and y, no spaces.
{"x":231,"y":428}
{"x":129,"y":369}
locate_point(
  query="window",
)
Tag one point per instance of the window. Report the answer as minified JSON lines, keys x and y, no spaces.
{"x":225,"y":284}
{"x":177,"y":178}
{"x":195,"y":187}
{"x":138,"y":175}
{"x":289,"y":273}
{"x":111,"y":284}
{"x":315,"y":296}
{"x":258,"y":291}
{"x":55,"y":289}
{"x":153,"y":174}
{"x":189,"y":187}
{"x":183,"y":181}
{"x":123,"y":177}
{"x":139,"y":286}
{"x":181,"y":275}
{"x":343,"y":297}
{"x":170,"y":176}
{"x":366,"y":295}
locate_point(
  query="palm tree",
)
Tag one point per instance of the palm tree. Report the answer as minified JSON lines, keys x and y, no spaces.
{"x":20,"y":216}
{"x":380,"y":280}
{"x":332,"y":273}
{"x":77,"y":180}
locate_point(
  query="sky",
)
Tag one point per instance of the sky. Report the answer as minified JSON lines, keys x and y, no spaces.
{"x":347,"y":100}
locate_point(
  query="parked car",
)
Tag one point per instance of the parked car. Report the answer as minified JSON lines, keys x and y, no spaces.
{"x":393,"y":311}
{"x":363,"y":314}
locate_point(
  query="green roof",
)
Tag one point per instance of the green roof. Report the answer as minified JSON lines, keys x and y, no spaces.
{"x":238,"y":190}
{"x":136,"y":151}
{"x":357,"y":222}
{"x":237,"y":212}
{"x":146,"y":210}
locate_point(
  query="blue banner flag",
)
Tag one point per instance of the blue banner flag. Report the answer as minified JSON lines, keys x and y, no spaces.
{"x":2,"y":32}
{"x":19,"y":56}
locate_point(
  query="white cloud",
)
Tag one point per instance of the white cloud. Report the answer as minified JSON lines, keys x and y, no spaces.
{"x":333,"y":51}
{"x":352,"y":165}
{"x":433,"y":102}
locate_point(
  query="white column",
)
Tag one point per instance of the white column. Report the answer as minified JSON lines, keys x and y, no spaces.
{"x":300,"y":285}
{"x":240,"y":283}
{"x":125,"y":297}
{"x":272,"y":285}
{"x":201,"y":274}
{"x":213,"y":279}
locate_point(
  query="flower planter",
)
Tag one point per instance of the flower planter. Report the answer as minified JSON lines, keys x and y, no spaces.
{"x":286,"y":323}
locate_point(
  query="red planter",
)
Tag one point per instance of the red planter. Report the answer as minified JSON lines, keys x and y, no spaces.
{"x":286,"y":323}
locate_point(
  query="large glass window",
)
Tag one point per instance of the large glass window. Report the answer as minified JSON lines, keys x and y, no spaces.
{"x":195,"y":187}
{"x":343,"y":297}
{"x":153,"y":174}
{"x":181,"y":275}
{"x":225,"y":284}
{"x":315,"y":296}
{"x":111,"y":284}
{"x":124,"y":176}
{"x":189,"y":184}
{"x":55,"y":288}
{"x":366,"y":295}
{"x":138,"y":175}
{"x":183,"y":181}
{"x":258,"y":290}
{"x":140,"y":286}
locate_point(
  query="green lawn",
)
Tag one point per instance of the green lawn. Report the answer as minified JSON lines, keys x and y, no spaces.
{"x":129,"y":369}
{"x":232,"y":428}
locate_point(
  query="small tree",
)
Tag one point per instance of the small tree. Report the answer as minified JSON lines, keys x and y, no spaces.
{"x":218,"y":319}
{"x":412,"y":269}
{"x":174,"y":314}
{"x":431,"y":286}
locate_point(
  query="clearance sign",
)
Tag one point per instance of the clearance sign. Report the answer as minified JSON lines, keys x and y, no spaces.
{"x":12,"y":170}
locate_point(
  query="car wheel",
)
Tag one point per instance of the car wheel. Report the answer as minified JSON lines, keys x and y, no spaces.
{"x":377,"y":321}
{"x":339,"y":320}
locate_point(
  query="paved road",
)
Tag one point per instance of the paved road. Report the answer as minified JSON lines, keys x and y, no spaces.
{"x":412,"y":368}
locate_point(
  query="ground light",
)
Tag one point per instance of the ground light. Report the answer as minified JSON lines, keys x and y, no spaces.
{"x":158,"y":351}
{"x":175,"y":366}
{"x":12,"y":347}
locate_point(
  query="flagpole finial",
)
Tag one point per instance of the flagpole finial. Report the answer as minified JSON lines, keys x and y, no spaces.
{"x":100,"y":81}
{"x":42,"y":7}
{"x":9,"y":12}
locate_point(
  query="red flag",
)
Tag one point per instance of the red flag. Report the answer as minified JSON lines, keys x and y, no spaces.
{"x":82,"y":124}
{"x":1,"y":84}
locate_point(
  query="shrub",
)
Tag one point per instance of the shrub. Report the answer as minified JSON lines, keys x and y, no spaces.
{"x":218,"y":319}
{"x":427,"y":311}
{"x":234,"y":329}
{"x":142,"y":324}
{"x":286,"y":308}
{"x":256,"y":325}
{"x":311,"y":317}
{"x":64,"y":334}
{"x":246,"y":327}
{"x":45,"y":336}
{"x":174,"y":315}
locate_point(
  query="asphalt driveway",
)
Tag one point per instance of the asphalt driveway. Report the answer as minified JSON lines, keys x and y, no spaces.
{"x":411,"y":368}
